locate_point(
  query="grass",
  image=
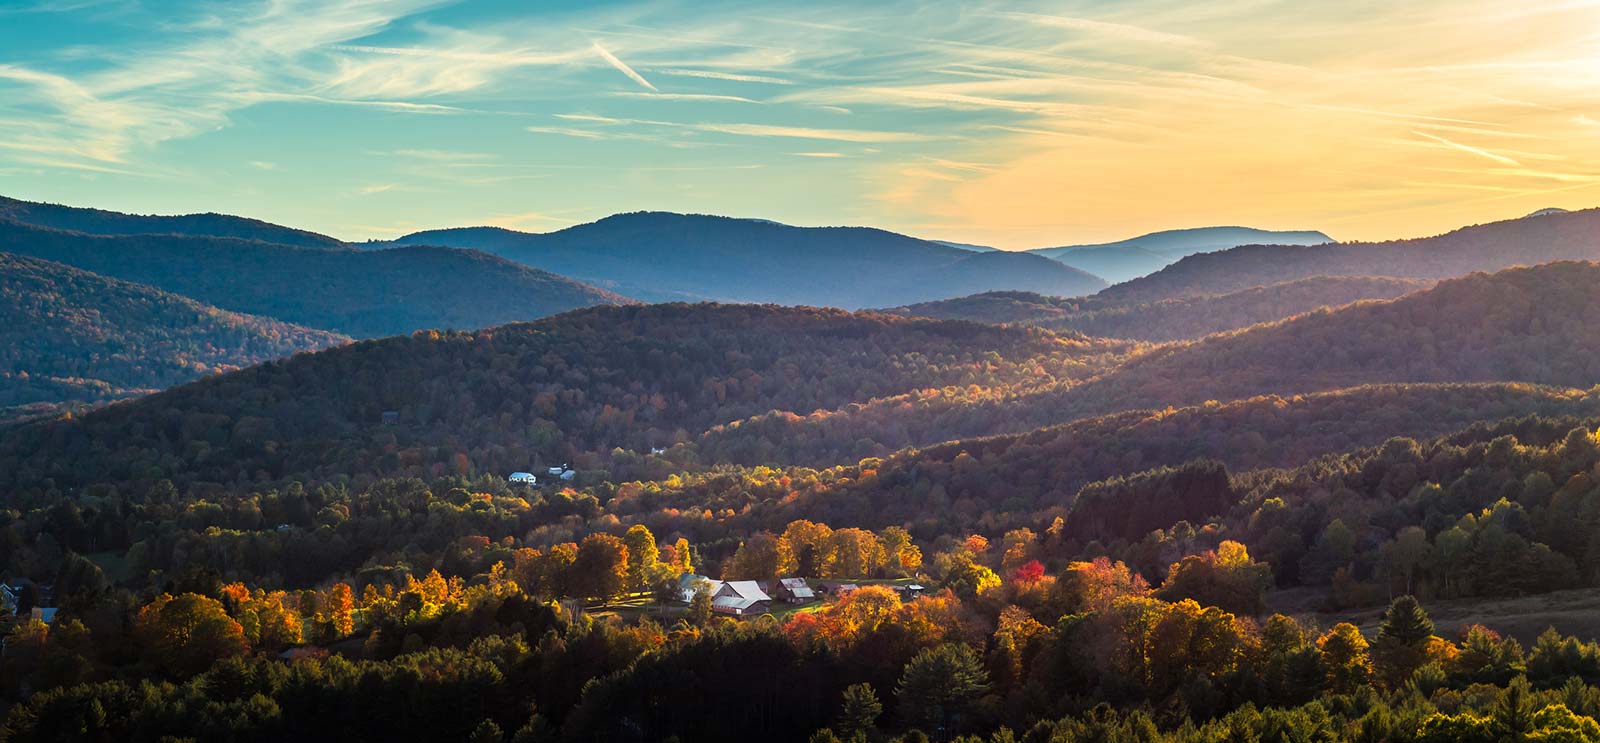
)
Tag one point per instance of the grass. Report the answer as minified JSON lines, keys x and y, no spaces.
{"x":1575,"y":612}
{"x":113,"y":564}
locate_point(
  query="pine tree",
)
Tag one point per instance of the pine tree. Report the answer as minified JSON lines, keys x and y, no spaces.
{"x":860,"y":711}
{"x":1406,"y":623}
{"x":487,"y":732}
{"x":938,"y":686}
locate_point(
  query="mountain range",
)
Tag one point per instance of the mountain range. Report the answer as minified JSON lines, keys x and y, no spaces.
{"x":659,"y":256}
{"x":1129,"y":259}
{"x":354,"y":292}
{"x":1540,"y":237}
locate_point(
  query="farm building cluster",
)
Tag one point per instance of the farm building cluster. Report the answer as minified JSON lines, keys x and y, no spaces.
{"x":552,"y":475}
{"x":743,"y":598}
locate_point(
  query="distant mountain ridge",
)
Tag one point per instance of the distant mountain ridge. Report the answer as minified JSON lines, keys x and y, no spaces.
{"x":102,"y":222}
{"x":1539,"y":238}
{"x":1137,"y":256}
{"x":67,"y":335}
{"x":1169,"y":319}
{"x":353,"y":292}
{"x":668,"y":256}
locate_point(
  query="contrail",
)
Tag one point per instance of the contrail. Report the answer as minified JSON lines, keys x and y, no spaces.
{"x":622,"y":67}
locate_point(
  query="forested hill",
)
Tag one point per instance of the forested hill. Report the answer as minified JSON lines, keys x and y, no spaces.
{"x":1167,"y":320}
{"x":947,"y":487}
{"x":657,"y":255}
{"x":357,"y":293}
{"x":547,"y":392}
{"x":67,"y":335}
{"x":102,"y":222}
{"x":1523,"y":324}
{"x":1526,"y":325}
{"x":1531,"y":240}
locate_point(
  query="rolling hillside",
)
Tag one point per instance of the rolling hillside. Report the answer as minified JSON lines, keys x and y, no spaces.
{"x":348,"y":291}
{"x":1128,"y":259}
{"x":1535,"y":239}
{"x":663,"y":256}
{"x":568,"y":388}
{"x":1531,"y":325}
{"x":67,"y":335}
{"x":101,"y":222}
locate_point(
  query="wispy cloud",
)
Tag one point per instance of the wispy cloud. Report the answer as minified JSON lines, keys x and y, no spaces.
{"x":622,"y":67}
{"x":1480,"y":152}
{"x":730,"y":76}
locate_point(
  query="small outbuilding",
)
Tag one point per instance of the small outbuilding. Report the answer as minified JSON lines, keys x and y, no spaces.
{"x":522,"y":478}
{"x":795,"y":591}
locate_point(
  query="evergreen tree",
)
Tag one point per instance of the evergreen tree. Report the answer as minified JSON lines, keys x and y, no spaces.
{"x":860,"y":711}
{"x":939,"y":685}
{"x":1406,"y":623}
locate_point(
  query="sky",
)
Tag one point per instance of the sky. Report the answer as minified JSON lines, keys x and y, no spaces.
{"x":1017,"y":125}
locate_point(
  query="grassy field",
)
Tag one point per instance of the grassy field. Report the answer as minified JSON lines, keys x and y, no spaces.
{"x":1575,"y":612}
{"x":113,"y":564}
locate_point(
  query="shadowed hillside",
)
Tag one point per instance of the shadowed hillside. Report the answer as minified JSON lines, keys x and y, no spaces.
{"x":67,"y":335}
{"x":550,"y":391}
{"x":357,"y":293}
{"x":102,"y":222}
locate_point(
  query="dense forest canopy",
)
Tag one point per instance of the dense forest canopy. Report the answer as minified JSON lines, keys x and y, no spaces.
{"x":68,"y":335}
{"x":563,"y":389}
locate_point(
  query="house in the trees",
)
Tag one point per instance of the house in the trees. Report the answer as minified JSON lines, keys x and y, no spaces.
{"x":910,"y":591}
{"x":569,"y":475}
{"x":688,"y":582}
{"x":741,"y":598}
{"x":557,"y":471}
{"x":391,"y":417}
{"x":795,"y":591}
{"x":522,"y":478}
{"x":836,"y":588}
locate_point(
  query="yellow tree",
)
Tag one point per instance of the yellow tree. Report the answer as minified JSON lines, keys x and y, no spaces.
{"x":901,"y":557}
{"x":185,"y":634}
{"x":806,"y":549}
{"x":341,"y":609}
{"x":856,"y":553}
{"x":643,"y":557}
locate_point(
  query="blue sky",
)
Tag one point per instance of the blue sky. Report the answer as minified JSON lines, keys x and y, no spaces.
{"x":1015,"y":124}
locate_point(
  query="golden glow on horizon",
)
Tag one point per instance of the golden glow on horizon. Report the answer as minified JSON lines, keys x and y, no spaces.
{"x":1385,"y":124}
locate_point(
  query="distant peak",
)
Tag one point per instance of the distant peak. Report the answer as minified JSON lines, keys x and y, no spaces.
{"x":1548,"y":211}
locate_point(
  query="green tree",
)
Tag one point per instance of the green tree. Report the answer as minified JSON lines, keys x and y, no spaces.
{"x":939,"y":686}
{"x":1406,"y":622}
{"x":860,"y":710}
{"x":700,"y":604}
{"x":486,"y":732}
